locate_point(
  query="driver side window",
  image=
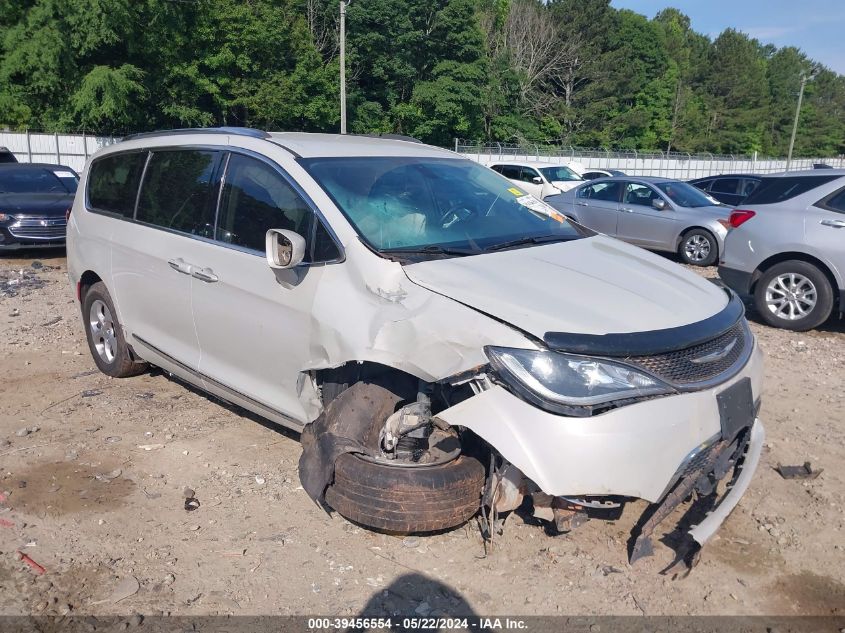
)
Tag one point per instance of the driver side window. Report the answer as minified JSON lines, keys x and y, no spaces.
{"x":642,"y":195}
{"x":527,"y":174}
{"x":256,"y":198}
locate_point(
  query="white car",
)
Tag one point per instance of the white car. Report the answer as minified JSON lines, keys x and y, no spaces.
{"x":443,"y":342}
{"x":540,"y":179}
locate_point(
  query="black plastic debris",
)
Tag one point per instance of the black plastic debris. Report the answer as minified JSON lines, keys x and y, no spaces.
{"x":805,"y":471}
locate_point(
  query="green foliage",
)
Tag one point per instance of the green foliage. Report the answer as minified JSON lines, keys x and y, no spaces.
{"x":577,"y":71}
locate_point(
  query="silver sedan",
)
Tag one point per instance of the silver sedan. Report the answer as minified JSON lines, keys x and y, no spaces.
{"x":660,"y":214}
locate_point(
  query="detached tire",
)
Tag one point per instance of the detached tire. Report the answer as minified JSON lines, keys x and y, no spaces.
{"x":396,"y":498}
{"x":105,"y":335}
{"x":406,"y":500}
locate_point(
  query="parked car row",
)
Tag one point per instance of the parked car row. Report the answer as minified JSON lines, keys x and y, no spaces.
{"x":543,"y":179}
{"x":656,"y":213}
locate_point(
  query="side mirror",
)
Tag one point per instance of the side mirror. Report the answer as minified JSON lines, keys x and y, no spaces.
{"x":285,"y":249}
{"x":537,"y":180}
{"x":659,"y":204}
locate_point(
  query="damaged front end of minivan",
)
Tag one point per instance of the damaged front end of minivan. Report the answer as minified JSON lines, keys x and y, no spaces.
{"x":577,"y":424}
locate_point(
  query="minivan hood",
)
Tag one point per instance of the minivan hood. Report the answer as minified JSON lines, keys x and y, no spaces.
{"x":595,"y":285}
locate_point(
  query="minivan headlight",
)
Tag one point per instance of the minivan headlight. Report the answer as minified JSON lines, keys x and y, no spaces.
{"x":568,"y":384}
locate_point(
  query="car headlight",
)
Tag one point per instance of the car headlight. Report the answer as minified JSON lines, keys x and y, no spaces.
{"x":571,"y":385}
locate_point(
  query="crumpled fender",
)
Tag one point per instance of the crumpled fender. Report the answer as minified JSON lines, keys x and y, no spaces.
{"x":396,"y":323}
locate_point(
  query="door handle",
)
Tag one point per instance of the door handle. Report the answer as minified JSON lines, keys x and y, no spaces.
{"x":204,"y":274}
{"x":180,"y":265}
{"x":837,"y":224}
{"x":627,"y":209}
{"x":581,"y":204}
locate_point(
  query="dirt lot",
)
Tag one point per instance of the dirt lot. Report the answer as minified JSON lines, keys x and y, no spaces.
{"x":93,"y":471}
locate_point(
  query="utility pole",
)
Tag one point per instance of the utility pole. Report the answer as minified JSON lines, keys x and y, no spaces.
{"x":804,"y":79}
{"x":343,"y":4}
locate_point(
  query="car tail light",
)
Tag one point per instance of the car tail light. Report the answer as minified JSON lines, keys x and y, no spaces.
{"x":740,"y":217}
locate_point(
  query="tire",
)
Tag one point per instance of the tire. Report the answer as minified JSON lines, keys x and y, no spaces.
{"x":808,"y":308}
{"x":105,"y":335}
{"x":698,"y":247}
{"x":394,"y":498}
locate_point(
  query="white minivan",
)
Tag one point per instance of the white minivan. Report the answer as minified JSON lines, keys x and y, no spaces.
{"x":445,"y":342}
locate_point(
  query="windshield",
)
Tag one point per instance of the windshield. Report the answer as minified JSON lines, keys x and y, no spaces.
{"x":435,"y":203}
{"x":685,"y":195}
{"x":559,"y":173}
{"x":37,"y":180}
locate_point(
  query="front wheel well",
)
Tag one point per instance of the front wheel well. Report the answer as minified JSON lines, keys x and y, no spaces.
{"x":334,"y":381}
{"x":783,"y":257}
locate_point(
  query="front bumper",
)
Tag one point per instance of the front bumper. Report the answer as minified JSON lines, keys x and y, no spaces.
{"x":633,"y":451}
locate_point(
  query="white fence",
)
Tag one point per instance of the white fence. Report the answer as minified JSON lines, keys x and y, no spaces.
{"x":71,"y":150}
{"x":672,"y":165}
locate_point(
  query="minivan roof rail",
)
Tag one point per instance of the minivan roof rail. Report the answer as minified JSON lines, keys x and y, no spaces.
{"x":240,"y":131}
{"x":395,"y":137}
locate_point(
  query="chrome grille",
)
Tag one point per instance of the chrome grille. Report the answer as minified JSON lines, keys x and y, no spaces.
{"x":715,"y":360}
{"x":39,"y":228}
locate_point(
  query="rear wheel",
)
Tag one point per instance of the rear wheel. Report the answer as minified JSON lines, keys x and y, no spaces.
{"x":105,"y":335}
{"x":698,"y":248}
{"x":794,"y":295}
{"x":398,"y":497}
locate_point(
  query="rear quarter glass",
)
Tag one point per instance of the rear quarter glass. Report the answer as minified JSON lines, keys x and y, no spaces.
{"x":773,"y":190}
{"x":113,"y":182}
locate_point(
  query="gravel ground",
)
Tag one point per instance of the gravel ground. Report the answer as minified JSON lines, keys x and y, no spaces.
{"x":93,"y":472}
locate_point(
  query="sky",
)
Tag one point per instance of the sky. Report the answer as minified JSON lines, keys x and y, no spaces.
{"x":815,"y":26}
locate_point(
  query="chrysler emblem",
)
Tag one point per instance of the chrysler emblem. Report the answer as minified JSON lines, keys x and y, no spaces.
{"x":718,"y":354}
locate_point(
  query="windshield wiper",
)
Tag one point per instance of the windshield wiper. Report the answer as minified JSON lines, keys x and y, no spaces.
{"x":431,"y":249}
{"x":537,"y":239}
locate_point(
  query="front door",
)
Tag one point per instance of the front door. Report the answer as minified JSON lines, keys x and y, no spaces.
{"x":253,"y":322}
{"x":640,"y":223}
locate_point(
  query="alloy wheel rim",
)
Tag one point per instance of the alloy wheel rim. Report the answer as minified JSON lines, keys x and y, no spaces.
{"x":102,"y":331}
{"x":791,"y":296}
{"x":697,"y":248}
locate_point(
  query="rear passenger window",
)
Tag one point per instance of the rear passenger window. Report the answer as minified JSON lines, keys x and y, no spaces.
{"x":256,"y":198}
{"x":179,"y":193}
{"x":725,"y":185}
{"x":780,"y":188}
{"x":113,"y":182}
{"x":835,"y":202}
{"x":607,"y":191}
{"x":749,"y":185}
{"x":509,"y":171}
